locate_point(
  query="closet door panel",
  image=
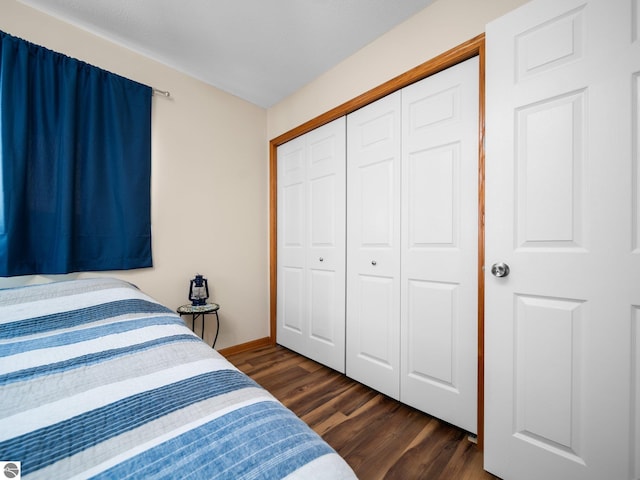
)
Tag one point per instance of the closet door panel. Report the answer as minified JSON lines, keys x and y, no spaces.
{"x":291,"y":245}
{"x":313,"y":219}
{"x":432,"y":182}
{"x":373,"y":245}
{"x":322,"y":298}
{"x":376,"y":340}
{"x":440,"y":245}
{"x":292,"y":296}
{"x":431,"y":339}
{"x":326,"y":211}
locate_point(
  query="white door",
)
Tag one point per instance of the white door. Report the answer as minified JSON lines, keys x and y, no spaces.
{"x":373,"y":245}
{"x":310,"y":307}
{"x":439,"y":288}
{"x":563,"y":212}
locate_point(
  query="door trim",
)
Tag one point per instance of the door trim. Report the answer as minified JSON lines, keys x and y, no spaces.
{"x":464,"y":51}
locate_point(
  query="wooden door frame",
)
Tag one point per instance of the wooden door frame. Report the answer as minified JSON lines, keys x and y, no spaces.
{"x":464,"y":51}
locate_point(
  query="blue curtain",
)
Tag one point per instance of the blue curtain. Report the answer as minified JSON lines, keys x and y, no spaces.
{"x":75,"y":165}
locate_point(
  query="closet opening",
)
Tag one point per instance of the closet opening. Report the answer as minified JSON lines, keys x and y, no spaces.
{"x":459,"y":54}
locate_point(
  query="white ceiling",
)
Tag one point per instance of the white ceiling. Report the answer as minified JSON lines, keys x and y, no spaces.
{"x":259,"y":50}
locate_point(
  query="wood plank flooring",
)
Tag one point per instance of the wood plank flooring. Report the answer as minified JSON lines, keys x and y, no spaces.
{"x":379,"y":437}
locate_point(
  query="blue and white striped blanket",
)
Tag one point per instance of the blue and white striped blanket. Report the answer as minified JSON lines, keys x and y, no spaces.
{"x":97,"y":380}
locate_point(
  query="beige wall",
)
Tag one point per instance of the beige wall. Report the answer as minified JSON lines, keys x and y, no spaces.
{"x":439,"y":27}
{"x":209,"y":147}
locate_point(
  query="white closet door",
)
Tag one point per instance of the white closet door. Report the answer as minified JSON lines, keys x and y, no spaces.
{"x":311,"y":245}
{"x":373,"y":245}
{"x":291,"y":250}
{"x":562,"y":209}
{"x":440,"y":245}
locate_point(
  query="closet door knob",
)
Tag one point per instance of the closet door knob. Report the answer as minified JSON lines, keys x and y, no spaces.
{"x":374,"y":263}
{"x":321,"y":259}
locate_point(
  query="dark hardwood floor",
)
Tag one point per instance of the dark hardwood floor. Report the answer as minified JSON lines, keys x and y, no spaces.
{"x":379,"y":437}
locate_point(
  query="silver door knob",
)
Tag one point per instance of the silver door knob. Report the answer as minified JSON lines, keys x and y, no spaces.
{"x":500,"y":269}
{"x":321,"y":259}
{"x":374,"y":263}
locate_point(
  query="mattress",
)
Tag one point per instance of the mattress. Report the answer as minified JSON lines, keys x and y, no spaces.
{"x":98,"y":380}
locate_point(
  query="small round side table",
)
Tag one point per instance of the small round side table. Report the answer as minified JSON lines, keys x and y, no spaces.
{"x":200,"y":311}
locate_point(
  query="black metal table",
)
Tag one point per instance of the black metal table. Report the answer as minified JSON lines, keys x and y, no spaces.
{"x":200,"y":311}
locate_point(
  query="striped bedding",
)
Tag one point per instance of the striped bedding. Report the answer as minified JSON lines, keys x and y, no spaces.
{"x":97,"y":380}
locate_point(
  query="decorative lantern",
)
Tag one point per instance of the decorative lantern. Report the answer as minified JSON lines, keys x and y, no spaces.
{"x":198,"y":290}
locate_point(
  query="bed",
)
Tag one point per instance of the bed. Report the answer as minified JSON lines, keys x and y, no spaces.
{"x":98,"y":380}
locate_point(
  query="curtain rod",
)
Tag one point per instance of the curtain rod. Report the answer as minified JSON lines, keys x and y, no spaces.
{"x":164,"y":93}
